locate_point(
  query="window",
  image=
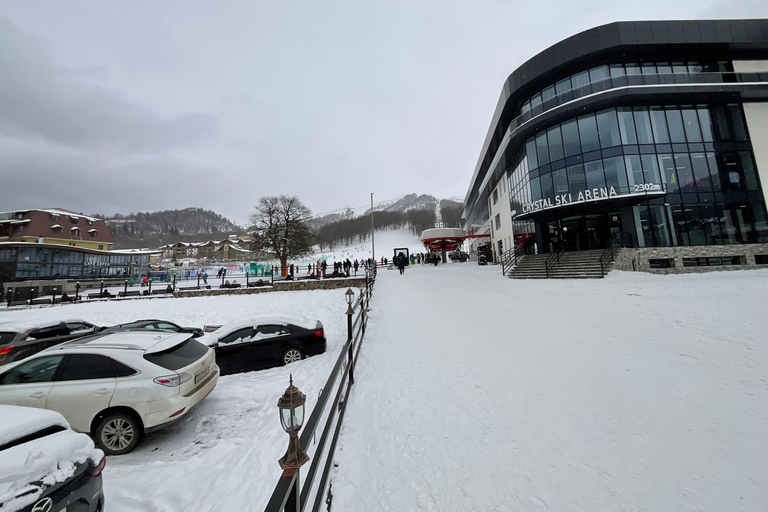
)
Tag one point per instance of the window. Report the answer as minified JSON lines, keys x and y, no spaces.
{"x":571,"y":142}
{"x":101,"y":247}
{"x":643,"y":126}
{"x":40,"y":369}
{"x":661,"y":263}
{"x":594,"y":173}
{"x":498,"y":221}
{"x":273,"y":331}
{"x":179,"y":356}
{"x":712,"y":262}
{"x":121,"y":370}
{"x":588,"y":133}
{"x":626,"y":126}
{"x":555,"y":142}
{"x":87,"y":367}
{"x":676,"y":128}
{"x":659,"y":125}
{"x":165,"y":325}
{"x":542,"y":151}
{"x":615,"y":175}
{"x":238,"y":336}
{"x":495,"y":195}
{"x":608,"y":128}
{"x":48,"y":332}
{"x":576,"y":179}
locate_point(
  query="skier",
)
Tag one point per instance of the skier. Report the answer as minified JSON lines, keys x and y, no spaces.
{"x":401,"y":263}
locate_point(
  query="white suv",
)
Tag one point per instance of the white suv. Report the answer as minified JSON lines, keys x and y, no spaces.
{"x":115,"y":386}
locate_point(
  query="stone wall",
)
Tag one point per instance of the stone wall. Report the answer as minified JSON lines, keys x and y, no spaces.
{"x":638,"y":259}
{"x":281,"y":286}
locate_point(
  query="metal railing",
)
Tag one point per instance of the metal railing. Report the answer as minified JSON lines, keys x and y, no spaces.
{"x":290,"y":493}
{"x":554,"y":258}
{"x":605,"y":257}
{"x":510,"y":258}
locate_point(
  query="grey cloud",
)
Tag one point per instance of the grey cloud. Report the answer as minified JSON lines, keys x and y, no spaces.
{"x":39,"y":100}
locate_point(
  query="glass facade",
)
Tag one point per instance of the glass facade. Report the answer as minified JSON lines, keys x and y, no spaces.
{"x":601,"y":74}
{"x":686,"y":171}
{"x":32,"y":262}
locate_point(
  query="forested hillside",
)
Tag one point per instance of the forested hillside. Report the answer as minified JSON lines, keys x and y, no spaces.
{"x":153,"y":229}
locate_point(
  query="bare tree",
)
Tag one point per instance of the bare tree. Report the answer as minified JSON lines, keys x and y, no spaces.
{"x":280,"y":224}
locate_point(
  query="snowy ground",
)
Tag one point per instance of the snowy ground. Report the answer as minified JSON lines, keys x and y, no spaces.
{"x":636,"y":392}
{"x":475,"y":392}
{"x":223,"y":454}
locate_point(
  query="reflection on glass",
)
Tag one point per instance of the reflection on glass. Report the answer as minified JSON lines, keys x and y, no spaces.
{"x":705,"y":122}
{"x":701,"y":171}
{"x":571,"y":138}
{"x":650,"y":169}
{"x":691,"y":124}
{"x":643,"y":125}
{"x":542,"y":151}
{"x":634,"y":170}
{"x":608,"y":128}
{"x":555,"y":143}
{"x":594,"y":173}
{"x":560,"y":181}
{"x":659,"y":125}
{"x":615,"y":175}
{"x":588,"y":133}
{"x":675,"y":123}
{"x":577,"y":181}
{"x":626,"y":125}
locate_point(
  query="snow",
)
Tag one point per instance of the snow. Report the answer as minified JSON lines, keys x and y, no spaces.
{"x":385,"y":241}
{"x":24,"y":323}
{"x":21,"y":421}
{"x":476,"y":392}
{"x":222,"y":455}
{"x":50,"y":459}
{"x":248,"y":321}
{"x":636,"y":392}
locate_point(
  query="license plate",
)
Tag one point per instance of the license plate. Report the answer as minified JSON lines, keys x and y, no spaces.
{"x":202,"y":373}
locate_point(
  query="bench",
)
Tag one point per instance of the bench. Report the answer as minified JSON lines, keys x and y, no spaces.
{"x":230,"y":285}
{"x":132,"y":293}
{"x":43,"y":300}
{"x":257,"y":283}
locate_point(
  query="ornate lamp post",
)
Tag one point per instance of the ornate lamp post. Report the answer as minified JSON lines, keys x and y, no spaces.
{"x":291,"y":406}
{"x":349,"y":296}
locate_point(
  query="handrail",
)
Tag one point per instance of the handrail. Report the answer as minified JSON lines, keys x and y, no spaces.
{"x":554,"y":256}
{"x":604,"y":257}
{"x":512,"y":256}
{"x":291,"y":493}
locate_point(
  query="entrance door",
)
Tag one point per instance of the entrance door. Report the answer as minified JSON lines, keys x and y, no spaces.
{"x":572,"y":233}
{"x":615,"y":228}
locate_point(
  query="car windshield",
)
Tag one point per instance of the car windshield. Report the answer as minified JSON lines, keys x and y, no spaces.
{"x":179,"y":356}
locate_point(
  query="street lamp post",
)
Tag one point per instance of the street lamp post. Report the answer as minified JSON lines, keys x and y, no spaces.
{"x":291,"y":406}
{"x":77,"y":291}
{"x":349,"y":296}
{"x":101,"y":290}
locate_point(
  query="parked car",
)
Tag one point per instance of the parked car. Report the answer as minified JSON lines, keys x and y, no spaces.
{"x":115,"y":386}
{"x":45,"y":466}
{"x":155,"y":325}
{"x":20,"y":340}
{"x":255,"y":343}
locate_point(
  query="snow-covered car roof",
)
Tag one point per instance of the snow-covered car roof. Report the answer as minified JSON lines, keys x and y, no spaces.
{"x":150,"y":341}
{"x":248,"y":321}
{"x":26,"y":469}
{"x":25,"y":325}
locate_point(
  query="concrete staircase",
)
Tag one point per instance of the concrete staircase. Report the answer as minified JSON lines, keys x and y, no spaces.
{"x":573,"y":265}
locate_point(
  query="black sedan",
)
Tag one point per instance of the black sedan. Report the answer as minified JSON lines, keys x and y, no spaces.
{"x":19,"y":340}
{"x":45,"y":465}
{"x":253,"y":344}
{"x":153,"y":324}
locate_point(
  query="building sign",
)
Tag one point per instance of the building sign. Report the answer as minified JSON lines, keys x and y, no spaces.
{"x":595,"y":194}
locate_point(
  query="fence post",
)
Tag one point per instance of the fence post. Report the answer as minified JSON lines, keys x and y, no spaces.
{"x":294,"y":496}
{"x":77,"y":291}
{"x":125,"y":290}
{"x":150,"y":287}
{"x":349,"y":338}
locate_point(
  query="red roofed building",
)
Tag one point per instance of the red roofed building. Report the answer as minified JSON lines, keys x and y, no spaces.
{"x":55,"y":226}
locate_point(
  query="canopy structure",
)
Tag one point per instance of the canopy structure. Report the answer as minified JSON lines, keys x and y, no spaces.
{"x":439,"y":239}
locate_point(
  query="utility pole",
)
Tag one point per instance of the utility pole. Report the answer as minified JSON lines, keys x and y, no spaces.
{"x":373,"y":245}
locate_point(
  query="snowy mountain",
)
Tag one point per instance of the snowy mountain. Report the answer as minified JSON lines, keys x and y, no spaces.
{"x":400,"y":204}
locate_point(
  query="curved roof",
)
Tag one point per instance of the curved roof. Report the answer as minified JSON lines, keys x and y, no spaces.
{"x":630,"y":41}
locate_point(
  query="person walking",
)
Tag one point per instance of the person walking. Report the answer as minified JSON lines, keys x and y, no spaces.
{"x":401,"y":263}
{"x":205,"y":277}
{"x":357,"y":265}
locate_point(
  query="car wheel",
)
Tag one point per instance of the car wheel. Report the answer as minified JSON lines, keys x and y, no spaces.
{"x":292,"y":355}
{"x":118,"y":433}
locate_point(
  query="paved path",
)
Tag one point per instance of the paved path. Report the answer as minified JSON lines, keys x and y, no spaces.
{"x":636,"y":392}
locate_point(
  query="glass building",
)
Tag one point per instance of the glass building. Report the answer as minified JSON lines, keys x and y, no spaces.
{"x":639,"y":134}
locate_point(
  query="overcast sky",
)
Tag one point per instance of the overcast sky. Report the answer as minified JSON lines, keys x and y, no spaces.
{"x":120,"y":107}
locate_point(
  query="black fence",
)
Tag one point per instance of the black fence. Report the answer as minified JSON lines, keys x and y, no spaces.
{"x":291,"y":494}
